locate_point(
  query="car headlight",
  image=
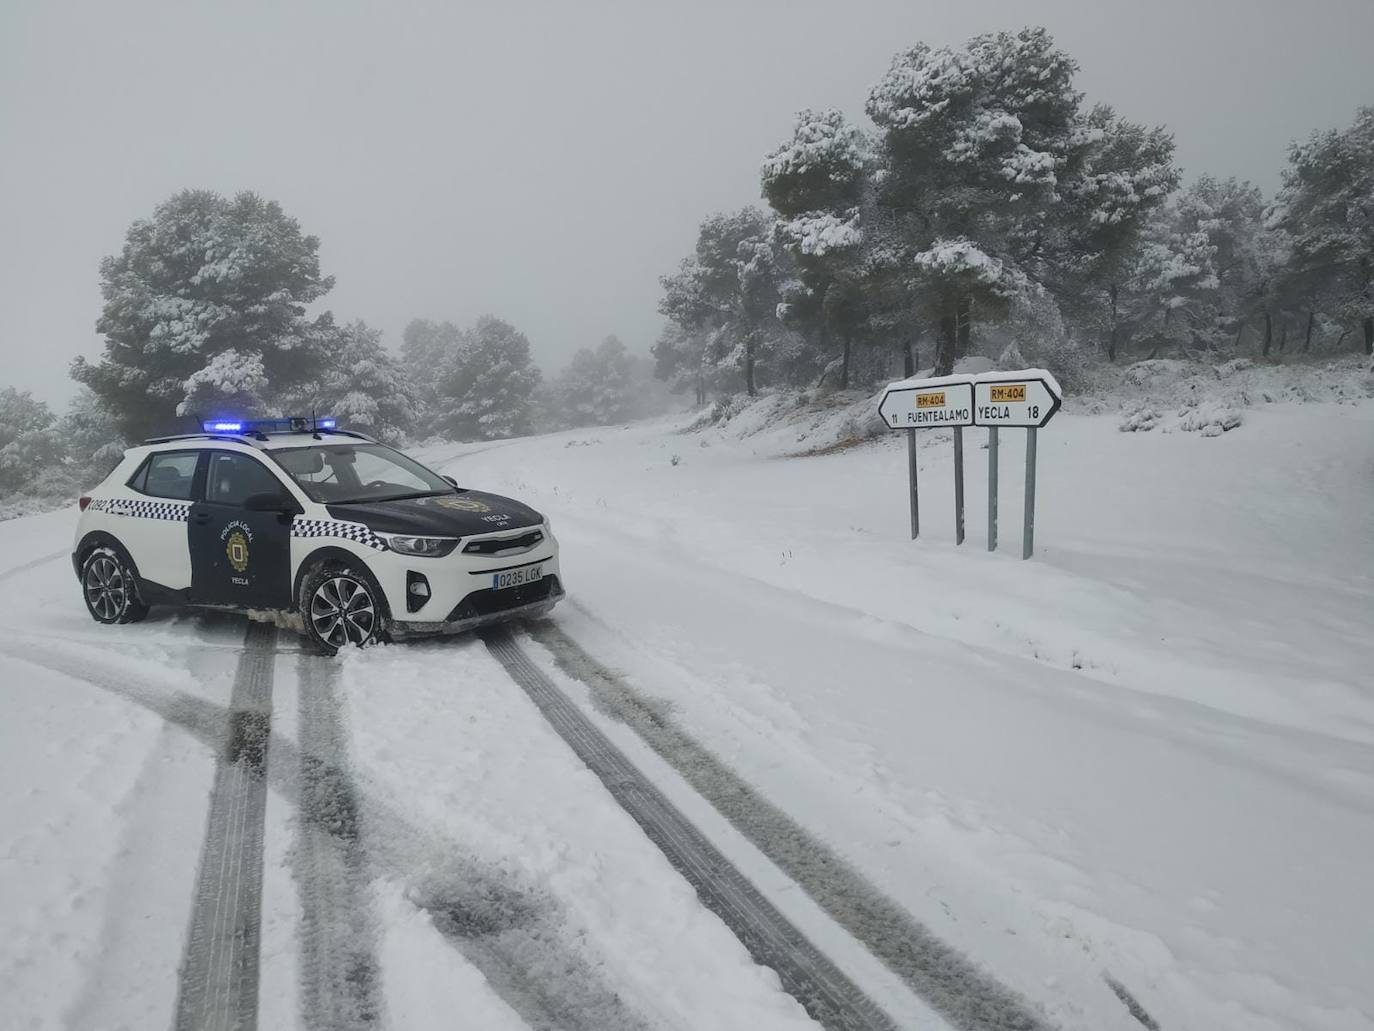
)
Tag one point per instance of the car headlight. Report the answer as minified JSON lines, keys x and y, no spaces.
{"x":422,"y":547}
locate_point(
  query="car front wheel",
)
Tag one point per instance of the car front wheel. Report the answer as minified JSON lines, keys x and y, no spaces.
{"x":341,"y":606}
{"x":109,"y":589}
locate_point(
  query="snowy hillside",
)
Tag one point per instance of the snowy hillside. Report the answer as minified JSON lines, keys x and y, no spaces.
{"x":1146,"y":756}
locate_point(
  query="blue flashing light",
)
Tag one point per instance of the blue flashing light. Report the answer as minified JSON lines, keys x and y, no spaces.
{"x":288,"y":424}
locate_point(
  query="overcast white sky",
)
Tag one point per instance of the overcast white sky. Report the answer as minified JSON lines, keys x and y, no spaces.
{"x":543,"y":162}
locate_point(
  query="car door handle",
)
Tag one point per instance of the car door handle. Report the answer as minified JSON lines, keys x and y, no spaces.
{"x":118,"y":509}
{"x":202,"y":518}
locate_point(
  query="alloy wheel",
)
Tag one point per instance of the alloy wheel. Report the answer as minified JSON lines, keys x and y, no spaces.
{"x":342,"y":612}
{"x":107,"y":592}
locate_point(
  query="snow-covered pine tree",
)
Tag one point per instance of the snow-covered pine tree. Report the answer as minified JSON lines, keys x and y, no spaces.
{"x":596,"y":388}
{"x":30,"y":446}
{"x":91,"y":436}
{"x":1126,"y":175}
{"x":727,"y":294}
{"x":1326,"y":208}
{"x":207,"y":292}
{"x":974,"y":145}
{"x":818,"y":181}
{"x":362,"y":385}
{"x":486,"y":388}
{"x":426,"y":348}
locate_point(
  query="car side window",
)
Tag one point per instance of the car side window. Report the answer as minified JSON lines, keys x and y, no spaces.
{"x":168,"y":474}
{"x":233,"y":477}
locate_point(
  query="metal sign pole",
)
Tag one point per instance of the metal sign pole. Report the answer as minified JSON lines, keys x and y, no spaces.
{"x":1028,"y":535}
{"x":992,"y":488}
{"x":911,"y":473}
{"x":958,"y":485}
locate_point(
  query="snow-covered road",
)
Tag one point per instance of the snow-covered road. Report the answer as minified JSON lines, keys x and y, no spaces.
{"x":1146,"y":756}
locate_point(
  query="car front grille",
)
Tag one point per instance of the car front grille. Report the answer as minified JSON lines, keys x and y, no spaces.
{"x":504,"y":545}
{"x":487,"y":602}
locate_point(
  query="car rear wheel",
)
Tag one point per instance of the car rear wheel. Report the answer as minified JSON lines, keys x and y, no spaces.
{"x":342,"y":606}
{"x":109,"y":588}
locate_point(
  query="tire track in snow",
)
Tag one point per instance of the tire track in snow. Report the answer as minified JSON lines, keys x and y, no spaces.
{"x":951,"y":983}
{"x":24,"y":567}
{"x":806,"y":973}
{"x":339,"y":972}
{"x":218,"y":985}
{"x":515,"y":933}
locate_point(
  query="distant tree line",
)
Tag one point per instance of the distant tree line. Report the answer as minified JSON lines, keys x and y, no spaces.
{"x":987,"y":202}
{"x":207,"y":313}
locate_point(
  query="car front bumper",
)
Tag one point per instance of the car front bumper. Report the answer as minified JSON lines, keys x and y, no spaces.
{"x":460,"y":621}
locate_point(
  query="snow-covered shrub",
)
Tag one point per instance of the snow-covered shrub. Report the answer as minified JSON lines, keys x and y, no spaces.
{"x":1210,"y":418}
{"x":1138,"y":418}
{"x":1235,"y":365}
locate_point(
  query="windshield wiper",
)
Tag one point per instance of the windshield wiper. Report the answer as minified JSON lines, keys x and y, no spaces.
{"x":395,"y":497}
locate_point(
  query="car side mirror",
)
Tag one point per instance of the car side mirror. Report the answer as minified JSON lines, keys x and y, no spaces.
{"x":271,"y":502}
{"x":451,"y":480}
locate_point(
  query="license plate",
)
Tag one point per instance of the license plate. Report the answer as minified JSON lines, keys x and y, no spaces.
{"x":516,"y":577}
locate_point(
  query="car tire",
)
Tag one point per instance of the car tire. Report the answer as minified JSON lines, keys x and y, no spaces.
{"x":110,"y":588}
{"x":341,"y":604}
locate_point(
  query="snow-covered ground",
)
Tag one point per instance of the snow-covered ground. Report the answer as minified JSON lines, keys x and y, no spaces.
{"x":1148,"y":753}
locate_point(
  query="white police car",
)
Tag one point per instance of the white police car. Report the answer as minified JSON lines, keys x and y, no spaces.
{"x":300,"y":516}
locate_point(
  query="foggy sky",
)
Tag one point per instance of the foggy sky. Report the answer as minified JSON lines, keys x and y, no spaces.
{"x":542,"y":162}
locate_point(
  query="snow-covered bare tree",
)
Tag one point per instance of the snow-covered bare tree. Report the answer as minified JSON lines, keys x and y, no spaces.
{"x":208,"y":295}
{"x":486,"y":388}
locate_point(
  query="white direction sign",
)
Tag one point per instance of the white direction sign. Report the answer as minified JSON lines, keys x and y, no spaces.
{"x":1028,"y":398}
{"x":928,"y":404}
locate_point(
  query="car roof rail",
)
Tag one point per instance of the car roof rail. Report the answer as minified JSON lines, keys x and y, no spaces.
{"x":233,"y":437}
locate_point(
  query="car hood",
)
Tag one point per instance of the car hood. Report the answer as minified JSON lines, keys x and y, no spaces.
{"x":461,"y":514}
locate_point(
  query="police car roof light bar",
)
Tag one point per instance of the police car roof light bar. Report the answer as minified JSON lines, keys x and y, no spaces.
{"x":288,"y":424}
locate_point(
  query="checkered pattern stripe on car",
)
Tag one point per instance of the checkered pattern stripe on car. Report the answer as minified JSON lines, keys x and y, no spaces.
{"x":356,"y":532}
{"x":170,"y":510}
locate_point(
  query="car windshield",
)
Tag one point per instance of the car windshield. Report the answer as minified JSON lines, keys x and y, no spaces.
{"x":343,"y":474}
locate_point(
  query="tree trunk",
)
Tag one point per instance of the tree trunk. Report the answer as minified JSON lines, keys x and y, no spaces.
{"x":1369,"y":301}
{"x":949,"y":338}
{"x":1112,"y":338}
{"x":749,"y":365}
{"x":844,"y":363}
{"x":909,"y":356}
{"x":1307,"y":336}
{"x":1268,"y":332}
{"x":1283,"y":337}
{"x":965,"y":325}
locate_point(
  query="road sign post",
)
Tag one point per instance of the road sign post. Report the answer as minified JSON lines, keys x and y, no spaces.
{"x":929,"y":404}
{"x":911,"y":479}
{"x":958,"y":485}
{"x":992,"y":488}
{"x":1027,"y":399}
{"x":1028,"y":533}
